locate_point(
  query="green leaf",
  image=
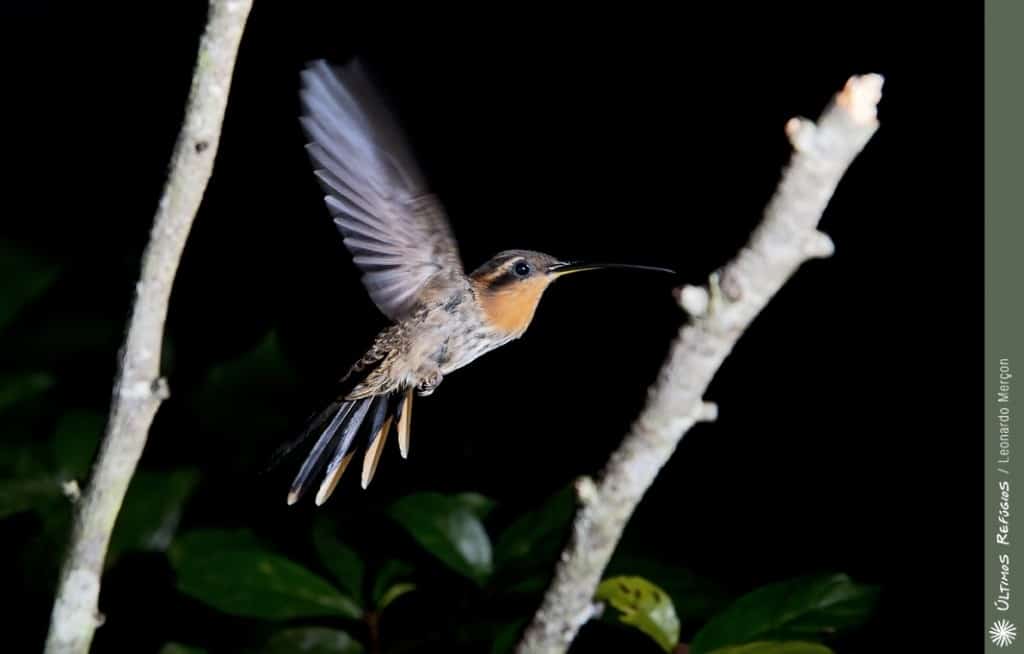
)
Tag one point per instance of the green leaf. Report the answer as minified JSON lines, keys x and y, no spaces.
{"x":39,"y":560}
{"x":64,"y":337}
{"x":479,"y":504}
{"x":215,"y":539}
{"x":534,"y":584}
{"x":388,"y":576}
{"x":24,"y":277}
{"x":36,"y":470}
{"x":696,"y":599}
{"x":644,"y":606}
{"x":21,"y":387}
{"x":393,"y":593}
{"x":152,"y":510}
{"x":243,"y":395}
{"x":75,"y":442}
{"x":25,"y":459}
{"x":17,"y":495}
{"x":804,"y":608}
{"x":536,"y":537}
{"x":312,"y":640}
{"x":229,"y":572}
{"x":771,"y":647}
{"x":449,"y":530}
{"x":344,"y":564}
{"x":507,"y":636}
{"x":178,"y":648}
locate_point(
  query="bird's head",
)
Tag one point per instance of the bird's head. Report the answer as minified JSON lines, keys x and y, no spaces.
{"x":512,"y":282}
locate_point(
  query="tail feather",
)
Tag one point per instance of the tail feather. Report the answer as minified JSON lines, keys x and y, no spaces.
{"x":314,"y":462}
{"x":348,"y":434}
{"x":340,"y":441}
{"x":403,"y":417}
{"x":377,"y":439}
{"x":381,"y":408}
{"x":332,"y":478}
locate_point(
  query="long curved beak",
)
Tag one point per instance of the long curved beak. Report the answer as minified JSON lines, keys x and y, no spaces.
{"x":567,"y":268}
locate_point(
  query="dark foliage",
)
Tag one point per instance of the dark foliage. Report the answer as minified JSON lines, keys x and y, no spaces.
{"x":818,"y":509}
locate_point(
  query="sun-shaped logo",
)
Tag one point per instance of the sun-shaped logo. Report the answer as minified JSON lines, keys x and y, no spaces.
{"x":1002,"y":633}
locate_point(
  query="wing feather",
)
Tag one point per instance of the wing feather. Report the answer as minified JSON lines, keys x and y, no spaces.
{"x":394,"y":227}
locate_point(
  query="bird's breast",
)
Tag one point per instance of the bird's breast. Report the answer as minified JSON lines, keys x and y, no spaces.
{"x":466,"y":346}
{"x":459,"y":328}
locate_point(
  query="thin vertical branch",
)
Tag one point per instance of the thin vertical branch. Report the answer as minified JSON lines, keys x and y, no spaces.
{"x":139,"y":389}
{"x":787,"y":237}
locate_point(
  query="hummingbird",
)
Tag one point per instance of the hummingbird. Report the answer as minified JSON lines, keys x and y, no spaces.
{"x":441,"y":318}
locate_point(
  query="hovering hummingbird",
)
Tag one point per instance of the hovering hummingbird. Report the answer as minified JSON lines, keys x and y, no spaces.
{"x":399,"y":236}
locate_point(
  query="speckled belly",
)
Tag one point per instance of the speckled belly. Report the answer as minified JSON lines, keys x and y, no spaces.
{"x":444,"y":340}
{"x":462,"y":349}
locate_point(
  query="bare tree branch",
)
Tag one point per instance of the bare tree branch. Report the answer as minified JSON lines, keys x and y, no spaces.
{"x":719,"y":314}
{"x":139,"y":389}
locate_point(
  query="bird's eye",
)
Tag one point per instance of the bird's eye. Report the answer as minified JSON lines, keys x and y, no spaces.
{"x":522,"y":269}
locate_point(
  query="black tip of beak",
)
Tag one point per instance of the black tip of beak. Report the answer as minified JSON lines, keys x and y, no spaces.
{"x":565,"y":268}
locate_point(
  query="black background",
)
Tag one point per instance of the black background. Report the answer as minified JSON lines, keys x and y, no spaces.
{"x":849,"y":413}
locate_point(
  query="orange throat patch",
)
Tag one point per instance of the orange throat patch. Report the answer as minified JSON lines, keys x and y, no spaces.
{"x":511,"y":309}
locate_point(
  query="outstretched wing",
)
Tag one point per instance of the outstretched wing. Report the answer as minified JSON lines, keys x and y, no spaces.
{"x":395,"y":228}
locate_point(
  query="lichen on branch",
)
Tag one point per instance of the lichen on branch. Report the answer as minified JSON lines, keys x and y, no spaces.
{"x":719,"y":314}
{"x":139,"y":389}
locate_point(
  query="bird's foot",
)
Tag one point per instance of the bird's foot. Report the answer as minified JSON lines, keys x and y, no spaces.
{"x":429,"y":384}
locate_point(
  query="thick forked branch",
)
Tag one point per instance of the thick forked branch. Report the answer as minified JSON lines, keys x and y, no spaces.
{"x":139,"y":389}
{"x":787,"y":237}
